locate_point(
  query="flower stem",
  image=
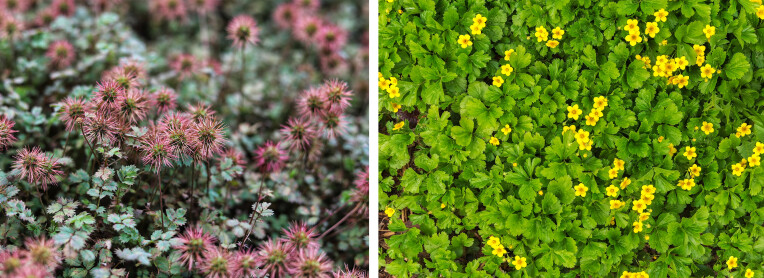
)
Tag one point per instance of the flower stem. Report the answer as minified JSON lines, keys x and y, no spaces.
{"x":209,"y":175}
{"x":351,"y":212}
{"x":161,"y":197}
{"x":256,"y":214}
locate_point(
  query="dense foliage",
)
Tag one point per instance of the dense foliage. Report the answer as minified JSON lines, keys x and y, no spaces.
{"x":573,"y":138}
{"x":183,"y":138}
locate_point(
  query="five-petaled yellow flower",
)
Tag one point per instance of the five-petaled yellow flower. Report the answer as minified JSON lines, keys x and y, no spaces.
{"x":618,"y":164}
{"x":626,"y":182}
{"x":633,"y":38}
{"x":464,"y":41}
{"x":585,"y":146}
{"x":476,"y":30}
{"x":681,"y":80}
{"x":557,"y":33}
{"x":508,"y":53}
{"x":494,"y":141}
{"x":497,"y":81}
{"x":552,"y":43}
{"x":648,"y":189}
{"x":479,"y":20}
{"x":754,"y":160}
{"x":694,"y":170}
{"x":581,"y":189}
{"x":707,"y":128}
{"x":506,"y":69}
{"x":709,"y":31}
{"x":612,"y":173}
{"x":681,"y":62}
{"x":499,"y":252}
{"x":611,"y":191}
{"x":541,"y":34}
{"x":731,"y":262}
{"x":707,"y":71}
{"x":591,"y":119}
{"x":393,"y":92}
{"x":582,"y":136}
{"x":744,"y":129}
{"x":661,"y":15}
{"x":632,"y":26}
{"x":637,"y":226}
{"x":389,"y":211}
{"x":689,"y":152}
{"x":600,"y":103}
{"x":519,"y":262}
{"x":396,"y":107}
{"x":737,"y":169}
{"x":651,"y":29}
{"x":759,"y":149}
{"x":399,"y":125}
{"x":749,"y":272}
{"x":638,"y":205}
{"x":616,"y":204}
{"x":574,"y":112}
{"x":384,"y":84}
{"x":760,"y":12}
{"x":506,"y":130}
{"x":494,"y":242}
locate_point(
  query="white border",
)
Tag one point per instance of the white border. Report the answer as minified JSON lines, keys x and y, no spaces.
{"x":373,"y":139}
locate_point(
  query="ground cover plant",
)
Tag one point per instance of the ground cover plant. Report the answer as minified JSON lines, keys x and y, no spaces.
{"x":571,"y":138}
{"x":183,"y":138}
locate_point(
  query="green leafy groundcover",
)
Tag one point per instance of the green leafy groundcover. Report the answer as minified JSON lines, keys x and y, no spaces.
{"x":571,"y":138}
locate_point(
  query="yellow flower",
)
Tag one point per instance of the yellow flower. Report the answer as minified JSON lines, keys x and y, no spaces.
{"x":632,"y":25}
{"x":700,"y":50}
{"x":681,"y":62}
{"x":596,"y":112}
{"x":508,"y":53}
{"x":384,"y":84}
{"x":393,"y":92}
{"x":442,"y":205}
{"x":464,"y":41}
{"x":476,"y":30}
{"x":380,"y":76}
{"x":644,"y":216}
{"x":707,"y":71}
{"x":749,"y":272}
{"x":760,"y":12}
{"x":737,"y":169}
{"x":689,"y":152}
{"x":754,"y":160}
{"x":647,"y":199}
{"x":709,"y":31}
{"x":479,"y":20}
{"x":494,"y":141}
{"x":647,"y":237}
{"x":633,"y":39}
{"x":707,"y":128}
{"x":651,"y":29}
{"x":611,"y":191}
{"x":664,"y":42}
{"x":581,"y":189}
{"x":582,"y":136}
{"x":660,"y":139}
{"x":616,"y":204}
{"x":661,"y":15}
{"x":648,"y":189}
{"x":591,"y":119}
{"x":759,"y":149}
{"x":744,"y":129}
{"x":570,"y":127}
{"x":552,"y":43}
{"x":396,"y":107}
{"x":672,"y":150}
{"x":497,"y":81}
{"x":637,"y":226}
{"x":506,"y":130}
{"x":700,"y":60}
{"x":499,"y":252}
{"x":574,"y":112}
{"x":618,"y":164}
{"x":399,"y":125}
{"x":541,"y":34}
{"x":506,"y":69}
{"x":626,"y":182}
{"x":494,"y":242}
{"x":519,"y":262}
{"x":585,"y":146}
{"x":694,"y":170}
{"x":389,"y":211}
{"x":681,"y":80}
{"x":393,"y":81}
{"x":638,"y":205}
{"x":613,"y":173}
{"x":600,"y":103}
{"x":557,"y":33}
{"x":731,"y":262}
